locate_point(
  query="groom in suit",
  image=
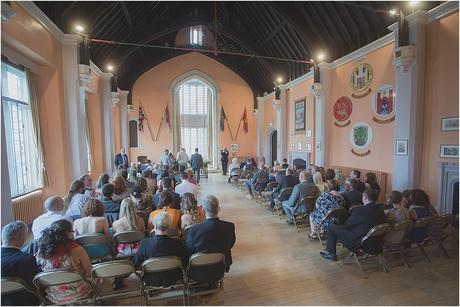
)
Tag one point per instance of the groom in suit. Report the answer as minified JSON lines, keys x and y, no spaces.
{"x":121,"y":159}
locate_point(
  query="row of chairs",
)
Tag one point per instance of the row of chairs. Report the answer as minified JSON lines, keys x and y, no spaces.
{"x":155,"y":280}
{"x":436,"y":228}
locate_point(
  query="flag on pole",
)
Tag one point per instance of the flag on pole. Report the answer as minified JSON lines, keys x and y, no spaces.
{"x":166,"y":117}
{"x":223,"y":117}
{"x":141,"y":118}
{"x":245,"y":121}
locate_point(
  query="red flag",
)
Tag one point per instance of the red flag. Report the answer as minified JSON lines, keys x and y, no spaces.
{"x":245,"y":121}
{"x":141,"y":118}
{"x":166,"y":116}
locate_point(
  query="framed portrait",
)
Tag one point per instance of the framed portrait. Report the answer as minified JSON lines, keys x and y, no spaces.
{"x":449,"y":151}
{"x":234,"y":149}
{"x":401,"y":147}
{"x":308,"y":133}
{"x":299,"y":110}
{"x":308,"y":147}
{"x":360,"y":135}
{"x":449,"y":124}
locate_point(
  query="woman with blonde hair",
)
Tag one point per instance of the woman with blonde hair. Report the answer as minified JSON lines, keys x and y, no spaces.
{"x":318,"y":181}
{"x":128,"y":221}
{"x":120,"y":191}
{"x":75,"y":200}
{"x":191,"y":212}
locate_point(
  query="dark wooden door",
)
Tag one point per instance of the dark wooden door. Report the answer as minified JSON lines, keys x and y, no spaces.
{"x":274,"y":146}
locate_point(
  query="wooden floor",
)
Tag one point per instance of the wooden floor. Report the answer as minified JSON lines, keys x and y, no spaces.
{"x":275,"y":265}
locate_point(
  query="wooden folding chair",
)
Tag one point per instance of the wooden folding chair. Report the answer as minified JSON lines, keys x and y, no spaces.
{"x":374,"y":233}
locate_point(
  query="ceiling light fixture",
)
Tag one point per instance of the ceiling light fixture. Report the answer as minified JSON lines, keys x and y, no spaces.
{"x":110,"y":67}
{"x":320,"y":56}
{"x":79,"y":28}
{"x":413,"y":3}
{"x":392,"y":12}
{"x":279,"y":79}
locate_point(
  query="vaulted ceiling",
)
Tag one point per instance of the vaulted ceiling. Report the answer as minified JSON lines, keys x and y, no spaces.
{"x":295,"y":30}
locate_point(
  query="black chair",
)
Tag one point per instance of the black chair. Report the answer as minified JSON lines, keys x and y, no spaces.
{"x":302,"y":210}
{"x":284,"y":194}
{"x":394,"y":239}
{"x":376,"y":234}
{"x":265,"y":193}
{"x":15,"y":292}
{"x":422,"y":225}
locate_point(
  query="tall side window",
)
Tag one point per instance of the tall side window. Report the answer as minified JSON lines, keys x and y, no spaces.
{"x":133,"y":134}
{"x":23,"y":162}
{"x":196,"y":35}
{"x":194,"y":97}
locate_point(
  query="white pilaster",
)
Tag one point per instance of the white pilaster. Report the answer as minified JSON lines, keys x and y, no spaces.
{"x":280,"y":107}
{"x":410,"y":81}
{"x":75,"y":109}
{"x":318,"y":93}
{"x":124,"y":119}
{"x":260,"y":122}
{"x":109,"y":133}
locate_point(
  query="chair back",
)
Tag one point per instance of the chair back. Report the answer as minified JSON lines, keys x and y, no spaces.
{"x":95,"y":244}
{"x":377,"y":231}
{"x":130,"y":236}
{"x":424,"y":222}
{"x":306,"y":204}
{"x":13,"y":284}
{"x":111,"y":217}
{"x":270,"y":186}
{"x":56,"y":277}
{"x":445,"y":220}
{"x":334,"y":214}
{"x":206,"y":268}
{"x":162,"y":271}
{"x":398,"y":232}
{"x":355,"y":206}
{"x":112,"y":269}
{"x":235,"y":171}
{"x":285,"y":193}
{"x":144,"y":215}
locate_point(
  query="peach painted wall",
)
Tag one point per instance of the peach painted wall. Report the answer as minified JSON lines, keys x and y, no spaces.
{"x":441,"y":96}
{"x":24,"y":34}
{"x":269,"y":118}
{"x":153,"y":90}
{"x":295,"y":93}
{"x":382,"y":146}
{"x":95,"y":126}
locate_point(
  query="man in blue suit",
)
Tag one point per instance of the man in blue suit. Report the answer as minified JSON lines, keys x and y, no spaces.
{"x":306,"y":188}
{"x":15,"y":263}
{"x":212,"y":236}
{"x":196,"y":161}
{"x":121,"y":159}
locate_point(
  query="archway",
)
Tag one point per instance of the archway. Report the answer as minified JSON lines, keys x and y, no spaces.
{"x":272,"y":147}
{"x":194,"y":115}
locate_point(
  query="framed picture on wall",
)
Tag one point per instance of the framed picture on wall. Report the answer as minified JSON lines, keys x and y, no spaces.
{"x":299,"y":115}
{"x":449,"y":151}
{"x":449,"y":124}
{"x":308,"y":133}
{"x":401,"y":147}
{"x":308,"y":147}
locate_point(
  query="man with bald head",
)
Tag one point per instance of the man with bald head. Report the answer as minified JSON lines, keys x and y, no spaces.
{"x":306,"y":188}
{"x":54,"y":206}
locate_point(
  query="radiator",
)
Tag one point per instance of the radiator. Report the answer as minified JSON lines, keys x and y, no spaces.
{"x":27,"y":207}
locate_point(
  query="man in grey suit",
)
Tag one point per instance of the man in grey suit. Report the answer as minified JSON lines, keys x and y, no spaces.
{"x":305,"y":188}
{"x":196,"y":162}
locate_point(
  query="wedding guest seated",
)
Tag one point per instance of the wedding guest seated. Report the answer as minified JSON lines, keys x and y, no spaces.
{"x":54,"y":207}
{"x":306,"y":188}
{"x":250,"y":165}
{"x":261,"y":174}
{"x":151,"y":182}
{"x":352,"y":195}
{"x":92,"y":220}
{"x":297,"y":170}
{"x":191,"y":177}
{"x":371,"y":181}
{"x":191,"y":212}
{"x":318,"y":180}
{"x":146,"y":165}
{"x":325,"y":203}
{"x":322,"y":171}
{"x":330,"y":175}
{"x":420,"y":207}
{"x":128,"y":221}
{"x":313,"y":169}
{"x":405,"y":202}
{"x":271,"y":175}
{"x":120,"y":191}
{"x":15,"y":263}
{"x":288,"y":181}
{"x":141,"y":204}
{"x":395,"y":215}
{"x":185,"y":186}
{"x":281,"y":173}
{"x":109,"y":205}
{"x":88,"y":183}
{"x":276,"y":166}
{"x":103,"y":179}
{"x":124,"y":174}
{"x":166,"y":205}
{"x":58,"y":250}
{"x":166,"y":184}
{"x":234,"y":165}
{"x":213,"y":235}
{"x":356,"y":174}
{"x":359,"y":223}
{"x":75,"y":200}
{"x":160,"y":244}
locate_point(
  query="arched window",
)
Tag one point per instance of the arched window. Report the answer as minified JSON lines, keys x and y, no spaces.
{"x":194,"y":100}
{"x":196,"y":35}
{"x":133,"y":136}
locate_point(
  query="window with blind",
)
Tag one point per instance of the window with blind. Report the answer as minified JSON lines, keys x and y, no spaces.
{"x":194,"y":101}
{"x":23,"y":163}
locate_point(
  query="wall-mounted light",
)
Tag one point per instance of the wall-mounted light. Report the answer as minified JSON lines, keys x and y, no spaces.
{"x":110,"y":67}
{"x":393,"y":12}
{"x":321,"y":56}
{"x":79,"y":28}
{"x":279,"y":79}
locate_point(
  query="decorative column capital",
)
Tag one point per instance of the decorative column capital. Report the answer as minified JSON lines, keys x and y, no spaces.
{"x":130,"y":107}
{"x":277,"y":104}
{"x":71,"y":39}
{"x":317,"y":90}
{"x":115,"y":99}
{"x":403,"y":57}
{"x":123,"y":94}
{"x":84,"y":73}
{"x":106,"y":76}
